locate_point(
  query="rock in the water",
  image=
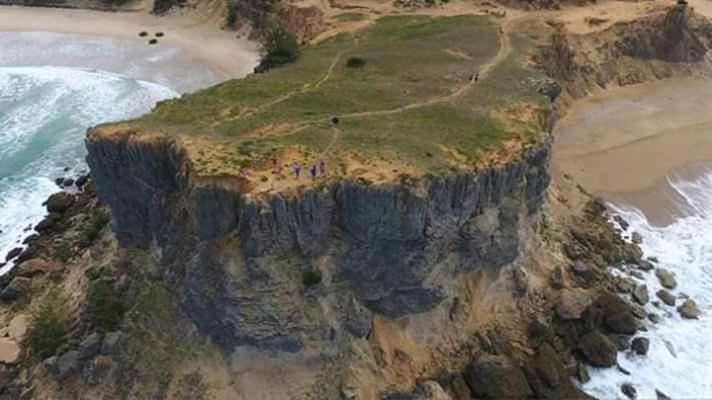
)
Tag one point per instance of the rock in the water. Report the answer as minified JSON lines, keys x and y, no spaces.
{"x":9,"y":351}
{"x":582,"y":373}
{"x":496,"y":377}
{"x":625,"y":284}
{"x":666,"y":278}
{"x":654,"y":318}
{"x":623,"y":224}
{"x":90,"y":346}
{"x":640,"y":295}
{"x":629,"y":390}
{"x":661,"y":396}
{"x":636,"y":238}
{"x":645,"y":265}
{"x":82,"y":180}
{"x":17,"y":287}
{"x":59,"y":202}
{"x":689,"y":309}
{"x":666,"y":297}
{"x":572,"y":303}
{"x":598,"y":350}
{"x":623,"y":323}
{"x":13,"y":253}
{"x":640,"y":345}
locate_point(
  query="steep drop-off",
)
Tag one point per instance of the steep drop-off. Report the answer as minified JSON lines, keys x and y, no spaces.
{"x":240,"y":265}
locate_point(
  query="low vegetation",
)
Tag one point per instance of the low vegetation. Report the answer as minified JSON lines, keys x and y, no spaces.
{"x":95,"y":224}
{"x":104,"y":307}
{"x":49,"y":329}
{"x":388,"y":84}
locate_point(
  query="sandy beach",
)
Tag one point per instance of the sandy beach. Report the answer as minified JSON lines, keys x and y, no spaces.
{"x":624,"y":143}
{"x":200,"y":37}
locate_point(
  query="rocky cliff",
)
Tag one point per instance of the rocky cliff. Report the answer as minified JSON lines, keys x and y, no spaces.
{"x":283,"y":271}
{"x":663,"y":44}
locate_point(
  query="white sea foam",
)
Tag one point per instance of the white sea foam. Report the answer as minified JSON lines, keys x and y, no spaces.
{"x":679,"y":362}
{"x":44,"y":112}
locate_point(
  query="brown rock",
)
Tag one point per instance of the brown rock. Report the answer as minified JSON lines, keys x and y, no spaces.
{"x":9,"y":351}
{"x":666,"y":278}
{"x":666,"y":297}
{"x":598,"y":350}
{"x":18,"y":327}
{"x":572,"y":303}
{"x":640,"y":294}
{"x":496,"y":377}
{"x":640,"y":345}
{"x":59,"y":202}
{"x":689,"y":309}
{"x":33,"y":267}
{"x":623,"y":323}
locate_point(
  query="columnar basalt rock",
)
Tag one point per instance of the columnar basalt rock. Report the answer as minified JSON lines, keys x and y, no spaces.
{"x":237,"y":262}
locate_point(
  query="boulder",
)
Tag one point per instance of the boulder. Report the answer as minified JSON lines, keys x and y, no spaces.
{"x":17,"y":329}
{"x":625,"y":285}
{"x":654,"y":318}
{"x":666,"y":297}
{"x":623,"y":323}
{"x":557,"y":278}
{"x":645,"y":265}
{"x":431,"y":390}
{"x":59,"y":202}
{"x":640,"y":294}
{"x":16,"y":288}
{"x":65,"y":364}
{"x":45,"y":225}
{"x":496,"y":377}
{"x":583,"y":271}
{"x":111,"y":343}
{"x":32,"y":267}
{"x":9,"y":351}
{"x":13,"y":253}
{"x":636,"y":238}
{"x":598,"y":350}
{"x":90,"y":346}
{"x":572,"y":303}
{"x":661,"y":396}
{"x":640,"y":345}
{"x":689,"y":309}
{"x":629,"y":391}
{"x":667,"y":280}
{"x":82,"y":180}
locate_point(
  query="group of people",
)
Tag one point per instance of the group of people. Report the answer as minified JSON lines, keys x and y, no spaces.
{"x":314,"y":169}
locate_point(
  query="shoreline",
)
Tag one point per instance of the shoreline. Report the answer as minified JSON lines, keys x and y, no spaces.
{"x":622,"y":144}
{"x":200,"y":38}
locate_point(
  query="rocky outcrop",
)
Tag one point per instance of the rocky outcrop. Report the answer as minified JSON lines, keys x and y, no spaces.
{"x":239,"y":262}
{"x":660,"y":45}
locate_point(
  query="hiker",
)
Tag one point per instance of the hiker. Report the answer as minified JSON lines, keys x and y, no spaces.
{"x":275,"y":163}
{"x":322,"y":167}
{"x":334,"y":120}
{"x":477,"y":77}
{"x":297,"y":169}
{"x":312,"y":171}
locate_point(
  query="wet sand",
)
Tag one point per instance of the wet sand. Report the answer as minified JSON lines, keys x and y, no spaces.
{"x":200,"y":38}
{"x":623,"y":144}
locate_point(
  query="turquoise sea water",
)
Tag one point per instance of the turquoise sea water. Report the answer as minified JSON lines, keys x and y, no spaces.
{"x":52,"y":88}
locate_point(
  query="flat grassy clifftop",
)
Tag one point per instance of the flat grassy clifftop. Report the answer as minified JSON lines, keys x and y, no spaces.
{"x":413,"y":107}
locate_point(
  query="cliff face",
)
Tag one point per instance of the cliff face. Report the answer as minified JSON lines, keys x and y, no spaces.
{"x":241,"y":266}
{"x":661,"y":45}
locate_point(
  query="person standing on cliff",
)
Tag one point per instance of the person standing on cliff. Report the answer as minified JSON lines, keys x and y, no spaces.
{"x":312,"y":171}
{"x":297,"y":169}
{"x":322,"y":167}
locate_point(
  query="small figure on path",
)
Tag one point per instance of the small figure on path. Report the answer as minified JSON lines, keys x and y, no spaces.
{"x":275,"y":164}
{"x":297,"y":169}
{"x":477,"y":77}
{"x":312,"y":171}
{"x":334,"y":120}
{"x":322,"y":167}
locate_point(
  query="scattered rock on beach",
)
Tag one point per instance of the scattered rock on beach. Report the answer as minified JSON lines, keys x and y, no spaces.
{"x":572,"y":303}
{"x":640,"y":345}
{"x":143,"y":34}
{"x":59,"y":202}
{"x":640,"y":295}
{"x":153,"y":41}
{"x":645,"y":265}
{"x":689,"y":309}
{"x":661,"y":396}
{"x":666,"y":278}
{"x":13,"y":253}
{"x":666,"y":297}
{"x":598,"y":350}
{"x":628,"y":390}
{"x":623,"y":323}
{"x":636,"y":238}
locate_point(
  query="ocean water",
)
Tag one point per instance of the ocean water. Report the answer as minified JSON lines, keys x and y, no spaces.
{"x":679,"y":362}
{"x":52,"y":88}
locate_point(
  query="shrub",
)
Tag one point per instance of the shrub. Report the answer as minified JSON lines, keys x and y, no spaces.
{"x":231,"y":18}
{"x":48,"y":332}
{"x":103,"y":305}
{"x":90,"y":231}
{"x":355,"y":62}
{"x":311,"y":278}
{"x":280,"y":46}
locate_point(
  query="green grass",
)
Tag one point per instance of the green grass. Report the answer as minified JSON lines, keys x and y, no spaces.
{"x":406,"y":62}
